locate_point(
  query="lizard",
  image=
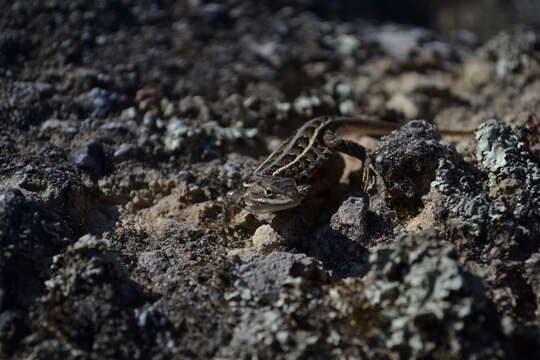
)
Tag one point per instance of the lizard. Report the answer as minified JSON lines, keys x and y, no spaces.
{"x":287,"y":176}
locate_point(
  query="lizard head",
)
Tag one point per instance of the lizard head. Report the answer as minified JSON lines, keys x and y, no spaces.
{"x":262,"y":194}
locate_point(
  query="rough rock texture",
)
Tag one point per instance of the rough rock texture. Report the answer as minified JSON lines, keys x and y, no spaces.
{"x":424,"y":295}
{"x":124,"y":124}
{"x":408,"y":159}
{"x":350,"y":219}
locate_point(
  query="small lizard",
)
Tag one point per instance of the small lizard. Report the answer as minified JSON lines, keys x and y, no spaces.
{"x":289,"y":174}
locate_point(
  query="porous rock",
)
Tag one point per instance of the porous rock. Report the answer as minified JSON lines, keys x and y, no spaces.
{"x":407,"y":160}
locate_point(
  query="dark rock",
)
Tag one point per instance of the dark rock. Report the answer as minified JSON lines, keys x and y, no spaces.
{"x":407,"y":160}
{"x":29,"y":237}
{"x":213,"y":13}
{"x":89,"y":157}
{"x":186,"y":175}
{"x":14,"y":46}
{"x":22,"y":105}
{"x":11,"y":331}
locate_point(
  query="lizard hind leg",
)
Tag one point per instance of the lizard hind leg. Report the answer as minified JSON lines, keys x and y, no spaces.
{"x":351,"y":148}
{"x":369,"y":176}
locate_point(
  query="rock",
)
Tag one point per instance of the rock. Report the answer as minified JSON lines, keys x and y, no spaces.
{"x":350,"y":219}
{"x":238,"y":167}
{"x":113,"y":126}
{"x":266,"y":239}
{"x":125,"y":152}
{"x":407,"y":160}
{"x":404,"y":104}
{"x":99,"y":102}
{"x":67,"y":127}
{"x":185,"y":176}
{"x":512,"y":50}
{"x":28,"y":231}
{"x":11,"y":331}
{"x":532,"y":269}
{"x":199,"y":213}
{"x":503,"y":152}
{"x":401,"y":44}
{"x":213,"y":13}
{"x":422,"y":290}
{"x":266,"y":274}
{"x":23,"y":104}
{"x":152,"y":262}
{"x":89,"y":157}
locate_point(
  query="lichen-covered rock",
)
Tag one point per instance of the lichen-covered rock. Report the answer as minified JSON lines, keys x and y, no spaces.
{"x":429,"y":305}
{"x":500,"y":217}
{"x":511,"y":51}
{"x":89,"y":296}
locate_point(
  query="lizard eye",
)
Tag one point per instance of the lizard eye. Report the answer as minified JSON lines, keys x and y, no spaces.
{"x":268,"y":192}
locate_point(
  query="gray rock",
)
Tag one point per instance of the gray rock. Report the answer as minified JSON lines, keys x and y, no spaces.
{"x":350,"y":219}
{"x":401,"y":43}
{"x":264,"y":275}
{"x":98,"y":103}
{"x":125,"y":152}
{"x":425,"y":296}
{"x":238,"y":166}
{"x":113,"y":126}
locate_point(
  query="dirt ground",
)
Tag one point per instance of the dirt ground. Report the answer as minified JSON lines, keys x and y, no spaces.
{"x":124,"y":123}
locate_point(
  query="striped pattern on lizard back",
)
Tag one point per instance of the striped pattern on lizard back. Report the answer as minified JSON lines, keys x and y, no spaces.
{"x":300,"y":155}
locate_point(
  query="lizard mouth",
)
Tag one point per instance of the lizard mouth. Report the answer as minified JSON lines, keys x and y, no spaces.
{"x":268,"y":205}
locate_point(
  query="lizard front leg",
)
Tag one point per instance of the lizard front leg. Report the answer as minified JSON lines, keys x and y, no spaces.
{"x":351,"y":148}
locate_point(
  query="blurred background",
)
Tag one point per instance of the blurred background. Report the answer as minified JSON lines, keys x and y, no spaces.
{"x":485,"y":18}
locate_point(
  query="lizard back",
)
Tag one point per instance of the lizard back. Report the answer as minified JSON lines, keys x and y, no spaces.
{"x":300,"y":155}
